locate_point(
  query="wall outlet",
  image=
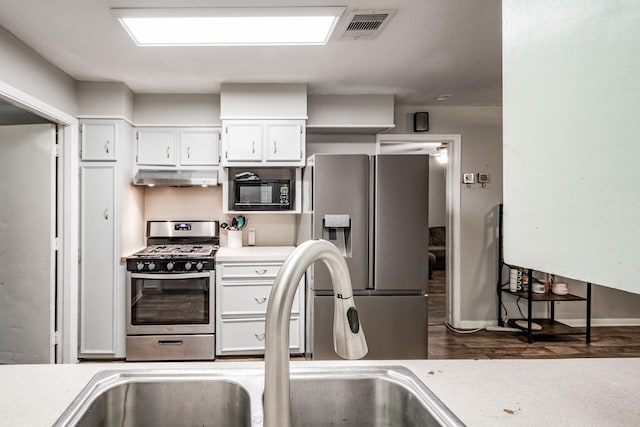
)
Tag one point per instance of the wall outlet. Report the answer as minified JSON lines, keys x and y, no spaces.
{"x":251,"y":236}
{"x":468,"y":178}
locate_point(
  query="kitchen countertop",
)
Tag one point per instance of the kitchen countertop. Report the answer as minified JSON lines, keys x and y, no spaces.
{"x":254,"y":253}
{"x":560,"y":392}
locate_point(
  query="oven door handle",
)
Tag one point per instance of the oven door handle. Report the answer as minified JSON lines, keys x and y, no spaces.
{"x":157,"y":276}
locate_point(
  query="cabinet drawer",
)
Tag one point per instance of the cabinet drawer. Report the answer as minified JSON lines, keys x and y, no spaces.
{"x":250,"y":299}
{"x":170,"y":347}
{"x":250,"y":271}
{"x":248,"y":335}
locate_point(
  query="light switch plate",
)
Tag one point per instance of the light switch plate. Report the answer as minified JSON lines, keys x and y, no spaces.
{"x":468,"y":178}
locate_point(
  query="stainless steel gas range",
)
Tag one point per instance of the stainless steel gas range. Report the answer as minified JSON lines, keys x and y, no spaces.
{"x":171,"y":291}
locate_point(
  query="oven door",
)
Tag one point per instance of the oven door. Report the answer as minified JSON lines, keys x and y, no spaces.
{"x":181,"y":303}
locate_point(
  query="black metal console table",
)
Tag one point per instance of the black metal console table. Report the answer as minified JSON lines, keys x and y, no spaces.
{"x":549,"y":326}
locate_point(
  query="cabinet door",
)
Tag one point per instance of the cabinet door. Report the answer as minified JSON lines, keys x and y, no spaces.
{"x":98,"y":141}
{"x":242,"y":141}
{"x":156,"y":146}
{"x":98,"y":260}
{"x":284,"y":141}
{"x":199,"y":147}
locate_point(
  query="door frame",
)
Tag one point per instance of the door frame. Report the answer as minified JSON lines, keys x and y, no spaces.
{"x":421,"y":144}
{"x":67,"y":217}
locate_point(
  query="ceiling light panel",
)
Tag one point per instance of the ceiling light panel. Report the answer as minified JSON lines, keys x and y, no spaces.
{"x":229,"y":26}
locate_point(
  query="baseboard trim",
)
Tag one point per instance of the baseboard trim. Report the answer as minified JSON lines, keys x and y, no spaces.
{"x":576,"y":323}
{"x":476,"y":324}
{"x":581,"y":323}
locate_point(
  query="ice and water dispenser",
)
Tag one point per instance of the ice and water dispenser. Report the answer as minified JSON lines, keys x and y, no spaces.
{"x":337,"y":230}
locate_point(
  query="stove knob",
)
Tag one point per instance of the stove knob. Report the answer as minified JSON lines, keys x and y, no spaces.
{"x":199,"y":266}
{"x":140,"y":266}
{"x":151,"y":266}
{"x":187,"y":266}
{"x":170,"y":265}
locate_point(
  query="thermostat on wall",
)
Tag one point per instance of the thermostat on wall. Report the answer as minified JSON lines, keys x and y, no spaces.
{"x":483,"y":178}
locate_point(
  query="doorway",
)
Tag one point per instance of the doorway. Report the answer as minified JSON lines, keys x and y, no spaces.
{"x":428,"y":144}
{"x":62,"y":337}
{"x":28,"y":218}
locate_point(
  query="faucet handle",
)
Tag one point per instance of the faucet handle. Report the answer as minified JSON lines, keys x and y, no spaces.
{"x":348,"y":337}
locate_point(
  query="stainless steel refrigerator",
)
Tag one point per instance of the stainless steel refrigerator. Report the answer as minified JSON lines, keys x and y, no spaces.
{"x":375,"y":210}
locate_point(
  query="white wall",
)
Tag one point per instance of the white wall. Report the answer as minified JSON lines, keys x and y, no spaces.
{"x":105,"y":100}
{"x":481,"y":134}
{"x":571,"y":97}
{"x":27,"y":71}
{"x":177,"y":110}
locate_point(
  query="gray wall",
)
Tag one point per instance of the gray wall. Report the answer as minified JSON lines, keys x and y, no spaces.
{"x":481,"y":134}
{"x":29,"y":72}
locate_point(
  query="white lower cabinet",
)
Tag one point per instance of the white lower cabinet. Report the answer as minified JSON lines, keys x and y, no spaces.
{"x":242,"y":295}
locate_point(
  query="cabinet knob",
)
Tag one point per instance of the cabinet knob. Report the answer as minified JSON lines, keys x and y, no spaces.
{"x":261,"y":300}
{"x":106,"y":147}
{"x":105,"y":214}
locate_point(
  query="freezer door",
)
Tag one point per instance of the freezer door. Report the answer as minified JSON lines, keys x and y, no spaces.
{"x":401,"y":222}
{"x":395,"y":326}
{"x":340,"y":187}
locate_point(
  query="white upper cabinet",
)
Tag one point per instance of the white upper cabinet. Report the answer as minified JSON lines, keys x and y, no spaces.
{"x":263,"y":143}
{"x":285,"y":141}
{"x":98,"y":141}
{"x":177,"y":146}
{"x":199,"y":147}
{"x":156,"y":146}
{"x":242,"y":141}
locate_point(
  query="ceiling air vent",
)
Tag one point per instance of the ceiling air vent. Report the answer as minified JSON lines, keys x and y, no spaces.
{"x":366,"y":24}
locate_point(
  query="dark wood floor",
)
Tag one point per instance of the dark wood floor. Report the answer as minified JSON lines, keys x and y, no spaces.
{"x":446,"y":344}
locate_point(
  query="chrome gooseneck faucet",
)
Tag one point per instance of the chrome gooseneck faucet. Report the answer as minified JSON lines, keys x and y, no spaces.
{"x":348,"y":337}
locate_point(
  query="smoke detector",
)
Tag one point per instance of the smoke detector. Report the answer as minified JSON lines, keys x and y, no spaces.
{"x":365,"y":24}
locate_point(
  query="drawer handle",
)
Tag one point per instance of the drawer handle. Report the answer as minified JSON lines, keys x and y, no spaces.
{"x":106,"y":146}
{"x":105,"y":214}
{"x":188,"y":152}
{"x":168,"y":151}
{"x":260,"y":337}
{"x":170,"y":342}
{"x":261,"y":272}
{"x":275,"y":147}
{"x":260,"y":300}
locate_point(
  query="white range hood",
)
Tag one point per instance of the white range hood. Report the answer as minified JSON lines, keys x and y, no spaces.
{"x":176,"y":178}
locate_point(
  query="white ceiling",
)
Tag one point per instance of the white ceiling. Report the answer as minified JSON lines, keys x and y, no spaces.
{"x":429,"y":48}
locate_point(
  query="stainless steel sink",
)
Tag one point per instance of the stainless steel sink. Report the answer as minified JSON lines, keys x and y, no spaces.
{"x":386,"y":397}
{"x":367,"y":396}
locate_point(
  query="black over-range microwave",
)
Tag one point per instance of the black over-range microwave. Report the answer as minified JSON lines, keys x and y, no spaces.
{"x":263,"y":195}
